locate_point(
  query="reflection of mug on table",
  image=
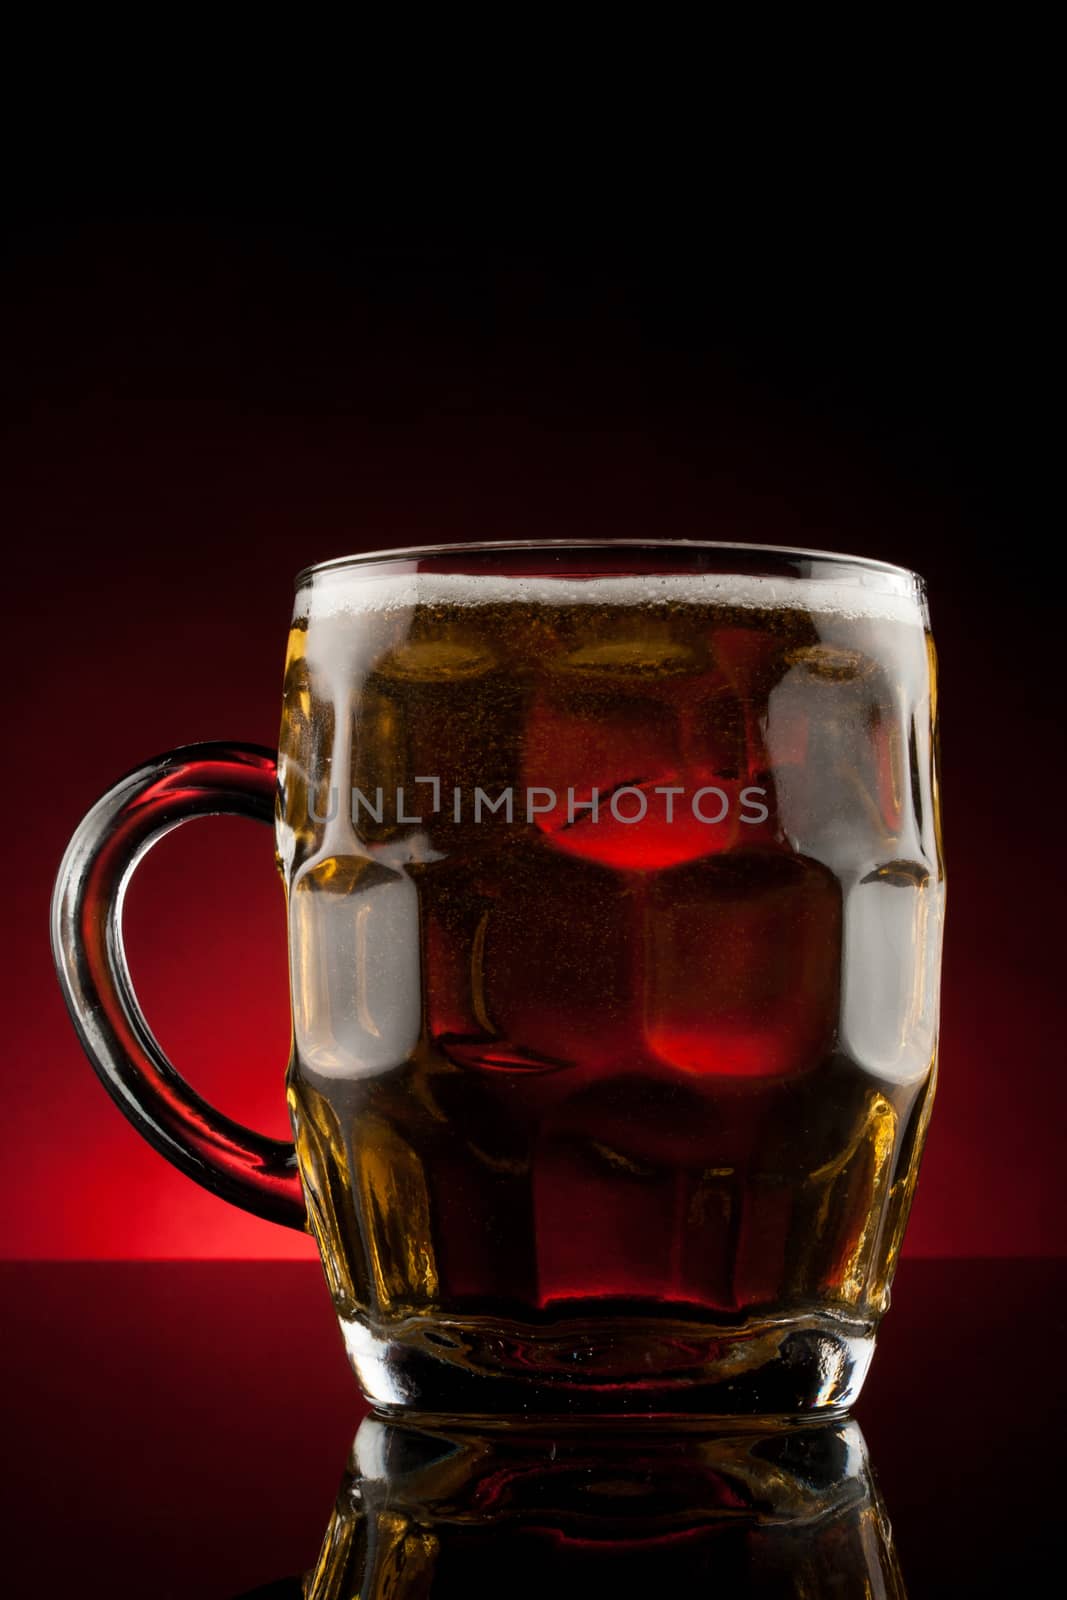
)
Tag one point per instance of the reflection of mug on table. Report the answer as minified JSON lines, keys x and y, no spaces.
{"x":442,"y":1512}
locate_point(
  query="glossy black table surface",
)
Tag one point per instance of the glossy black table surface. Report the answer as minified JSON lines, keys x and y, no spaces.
{"x":180,"y":1429}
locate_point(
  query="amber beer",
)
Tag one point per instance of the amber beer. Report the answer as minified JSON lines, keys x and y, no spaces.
{"x":615,"y":898}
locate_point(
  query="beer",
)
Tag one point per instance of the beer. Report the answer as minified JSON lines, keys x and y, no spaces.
{"x":615,"y":908}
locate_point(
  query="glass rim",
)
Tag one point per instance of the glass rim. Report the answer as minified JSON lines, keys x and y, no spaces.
{"x":366,"y":558}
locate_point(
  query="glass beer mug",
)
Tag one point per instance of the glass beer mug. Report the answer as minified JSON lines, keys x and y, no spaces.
{"x":615,"y":897}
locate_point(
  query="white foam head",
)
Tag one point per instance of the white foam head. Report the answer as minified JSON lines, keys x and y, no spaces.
{"x":350,"y":591}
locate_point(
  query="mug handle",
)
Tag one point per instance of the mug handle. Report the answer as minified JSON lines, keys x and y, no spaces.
{"x":198,"y":780}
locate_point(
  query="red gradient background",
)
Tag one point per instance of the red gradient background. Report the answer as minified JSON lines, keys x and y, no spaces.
{"x":199,"y":406}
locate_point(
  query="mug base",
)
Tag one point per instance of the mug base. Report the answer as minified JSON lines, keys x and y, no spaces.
{"x":785,"y":1366}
